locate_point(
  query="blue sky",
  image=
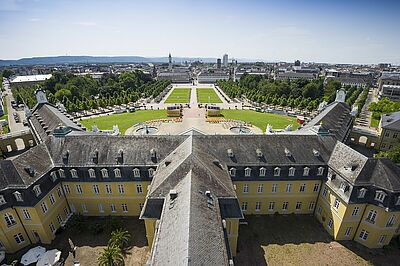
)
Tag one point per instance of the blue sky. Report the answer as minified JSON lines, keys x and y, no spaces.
{"x":339,"y":31}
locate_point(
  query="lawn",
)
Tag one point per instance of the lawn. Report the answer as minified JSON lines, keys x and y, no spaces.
{"x":5,"y":129}
{"x":124,"y":121}
{"x":207,"y":95}
{"x":261,"y":120}
{"x":179,"y":95}
{"x":301,"y":240}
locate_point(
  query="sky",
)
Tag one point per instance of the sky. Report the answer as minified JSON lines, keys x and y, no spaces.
{"x":338,"y":31}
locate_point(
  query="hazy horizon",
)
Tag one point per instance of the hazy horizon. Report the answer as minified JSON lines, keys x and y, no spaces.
{"x":359,"y":32}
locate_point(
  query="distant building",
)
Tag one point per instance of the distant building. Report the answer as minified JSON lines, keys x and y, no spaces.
{"x":389,"y":85}
{"x":348,"y":81}
{"x":177,"y":75}
{"x":225,"y":60}
{"x":170,"y":62}
{"x":26,"y":81}
{"x":1,"y":104}
{"x":389,"y":131}
{"x":297,"y":63}
{"x":212,"y":76}
{"x":290,"y":75}
{"x":219,"y":63}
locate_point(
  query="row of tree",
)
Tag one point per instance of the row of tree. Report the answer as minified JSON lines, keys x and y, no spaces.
{"x":383,"y":106}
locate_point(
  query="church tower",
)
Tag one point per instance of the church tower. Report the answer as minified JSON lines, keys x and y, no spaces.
{"x":169,"y":62}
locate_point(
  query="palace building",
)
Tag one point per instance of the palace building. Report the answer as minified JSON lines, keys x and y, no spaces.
{"x":192,"y":190}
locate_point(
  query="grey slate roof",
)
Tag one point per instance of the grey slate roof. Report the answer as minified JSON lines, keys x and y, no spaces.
{"x":336,"y":118}
{"x":391,"y":121}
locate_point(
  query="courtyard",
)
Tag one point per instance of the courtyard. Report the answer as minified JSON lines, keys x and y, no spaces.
{"x":179,"y":95}
{"x":207,"y":95}
{"x":301,"y":240}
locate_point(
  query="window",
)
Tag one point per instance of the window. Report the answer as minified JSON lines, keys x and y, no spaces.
{"x":92,"y":173}
{"x":117,"y":173}
{"x":44,"y":207}
{"x":398,"y":200}
{"x":26,"y":214}
{"x":104,"y":173}
{"x":124,"y":207}
{"x":96,"y":189}
{"x":37,"y":190}
{"x":19,"y":238}
{"x":66,"y":189}
{"x":74,"y":173}
{"x":355,"y":211}
{"x":245,"y":188}
{"x":101,"y":208}
{"x":263,"y":171}
{"x":53,"y":176}
{"x":271,"y":206}
{"x":316,"y":187}
{"x":59,"y":219}
{"x":348,"y":231}
{"x":395,"y":135}
{"x":306,"y":171}
{"x":66,"y":211}
{"x":139,"y":189}
{"x":52,"y":199}
{"x":319,"y":210}
{"x":260,"y":188}
{"x":361,"y":193}
{"x":303,"y":187}
{"x":73,"y":209}
{"x":325,"y":192}
{"x":311,"y":205}
{"x":258,"y":206}
{"x":371,"y":217}
{"x":112,"y":207}
{"x":151,"y":172}
{"x":381,"y":239}
{"x":364,"y":234}
{"x":342,"y":186}
{"x":59,"y":193}
{"x":232,"y":171}
{"x":380,"y":196}
{"x":244,"y":206}
{"x":285,"y":205}
{"x":298,"y":205}
{"x":336,"y":204}
{"x":78,"y":189}
{"x":52,"y":228}
{"x":274,"y":188}
{"x":18,"y":196}
{"x":108,"y":189}
{"x":292,"y":170}
{"x":10,"y":221}
{"x":288,"y":187}
{"x":84,"y":208}
{"x":141,"y":205}
{"x":2,"y":200}
{"x":391,"y":221}
{"x":387,"y":134}
{"x":320,"y":171}
{"x":61,"y":173}
{"x":121,"y":189}
{"x":136,"y":172}
{"x":247,"y":172}
{"x":277,"y":171}
{"x":330,"y":223}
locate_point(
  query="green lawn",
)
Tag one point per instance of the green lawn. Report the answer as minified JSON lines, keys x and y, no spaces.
{"x":179,"y":95}
{"x":207,"y":95}
{"x":374,"y":122}
{"x":124,"y":121}
{"x":261,"y":120}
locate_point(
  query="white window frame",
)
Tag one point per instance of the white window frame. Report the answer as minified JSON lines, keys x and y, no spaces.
{"x":232,"y":171}
{"x":381,"y":239}
{"x":10,"y":220}
{"x":245,"y":188}
{"x":44,"y":207}
{"x":330,"y":223}
{"x":371,"y":216}
{"x":96,"y":189}
{"x":380,"y":196}
{"x":292,"y":171}
{"x":104,"y":173}
{"x":363,"y":235}
{"x":18,"y":196}
{"x":84,"y":208}
{"x":136,"y":172}
{"x":151,"y":172}
{"x":285,"y":205}
{"x":37,"y":190}
{"x":52,"y":199}
{"x":139,"y":189}
{"x":61,"y":173}
{"x":108,"y":189}
{"x":53,"y":176}
{"x":277,"y":171}
{"x":361,"y":193}
{"x":311,"y":206}
{"x":355,"y":211}
{"x":274,"y":188}
{"x":247,"y":172}
{"x":391,"y":221}
{"x":320,"y":171}
{"x":52,"y":228}
{"x":325,"y":192}
{"x":124,"y":207}
{"x":101,"y":207}
{"x":336,"y":204}
{"x":112,"y":208}
{"x":74,"y":173}
{"x":316,"y":187}
{"x":117,"y":173}
{"x":78,"y":189}
{"x":19,"y":238}
{"x":244,"y":206}
{"x":66,"y":189}
{"x":263,"y":171}
{"x":348,"y":231}
{"x":26,"y":214}
{"x":306,"y":171}
{"x":298,"y":205}
{"x":271,"y":206}
{"x":258,"y":206}
{"x":121,"y":189}
{"x":302,"y":188}
{"x":260,"y":188}
{"x":92,"y":173}
{"x":342,"y":186}
{"x":288,"y":188}
{"x":2,"y":200}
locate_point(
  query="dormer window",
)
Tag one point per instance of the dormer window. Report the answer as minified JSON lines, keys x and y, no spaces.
{"x":306,"y":171}
{"x":66,"y":157}
{"x":361,"y":193}
{"x":117,"y":173}
{"x":320,"y":171}
{"x":380,"y":196}
{"x":153,"y":153}
{"x":151,"y":172}
{"x":263,"y":171}
{"x":247,"y":172}
{"x":230,"y":153}
{"x":120,"y":156}
{"x":53,"y":176}
{"x":61,"y":173}
{"x":316,"y":153}
{"x":232,"y":171}
{"x":277,"y":171}
{"x":259,"y":153}
{"x":2,"y":200}
{"x":292,"y":170}
{"x":136,"y":172}
{"x":398,"y":200}
{"x":104,"y":173}
{"x":18,"y":196}
{"x":287,"y":153}
{"x":342,"y":186}
{"x":37,"y":190}
{"x":74,"y":173}
{"x":92,"y":173}
{"x":95,"y":157}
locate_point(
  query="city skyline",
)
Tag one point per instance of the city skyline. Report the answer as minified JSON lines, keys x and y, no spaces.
{"x":314,"y":31}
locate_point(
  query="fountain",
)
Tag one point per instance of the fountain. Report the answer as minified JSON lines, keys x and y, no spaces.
{"x":147,"y":130}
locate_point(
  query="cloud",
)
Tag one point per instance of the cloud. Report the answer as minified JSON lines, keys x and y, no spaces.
{"x":86,"y":23}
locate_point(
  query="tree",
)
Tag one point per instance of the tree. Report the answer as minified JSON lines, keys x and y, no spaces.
{"x":60,"y":94}
{"x":119,"y":238}
{"x":393,"y":154}
{"x":111,"y":256}
{"x":7,"y":73}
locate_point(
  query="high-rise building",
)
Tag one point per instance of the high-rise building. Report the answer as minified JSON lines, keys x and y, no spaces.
{"x":225,"y":60}
{"x":219,"y":63}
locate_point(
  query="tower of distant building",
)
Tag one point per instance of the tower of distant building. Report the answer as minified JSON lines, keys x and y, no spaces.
{"x":225,"y":60}
{"x":169,"y":62}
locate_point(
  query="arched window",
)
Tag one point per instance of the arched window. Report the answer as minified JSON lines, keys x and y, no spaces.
{"x":292,"y":170}
{"x":277,"y":171}
{"x":117,"y":173}
{"x":306,"y":171}
{"x":263,"y":171}
{"x":104,"y":173}
{"x":136,"y":172}
{"x":92,"y":173}
{"x":74,"y":173}
{"x":232,"y":171}
{"x":247,"y":172}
